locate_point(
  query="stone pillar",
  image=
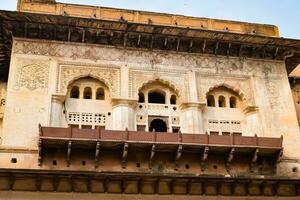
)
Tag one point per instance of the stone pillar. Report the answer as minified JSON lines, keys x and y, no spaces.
{"x":191,"y":118}
{"x":253,"y":122}
{"x":57,"y":110}
{"x":123,"y":114}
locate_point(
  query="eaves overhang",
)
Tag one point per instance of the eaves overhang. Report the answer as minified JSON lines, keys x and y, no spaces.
{"x":146,"y":36}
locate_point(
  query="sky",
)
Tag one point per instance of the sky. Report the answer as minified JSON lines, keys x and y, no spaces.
{"x":283,"y":13}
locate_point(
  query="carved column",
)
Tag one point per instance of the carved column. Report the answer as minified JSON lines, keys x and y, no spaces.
{"x":253,"y":121}
{"x":123,"y":114}
{"x":57,"y":114}
{"x":191,"y":118}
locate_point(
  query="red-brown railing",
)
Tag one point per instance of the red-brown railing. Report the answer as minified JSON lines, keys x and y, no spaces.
{"x":157,"y":137}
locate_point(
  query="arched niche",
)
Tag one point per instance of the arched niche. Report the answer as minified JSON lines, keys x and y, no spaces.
{"x":93,"y":108}
{"x":163,"y":90}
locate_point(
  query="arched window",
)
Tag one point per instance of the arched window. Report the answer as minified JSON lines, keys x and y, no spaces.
{"x":222,"y":102}
{"x":211,"y":101}
{"x":74,"y":92}
{"x":141,"y":98}
{"x":232,"y":102}
{"x":100,"y":95}
{"x":87,"y":93}
{"x":173,"y":99}
{"x":156,"y":97}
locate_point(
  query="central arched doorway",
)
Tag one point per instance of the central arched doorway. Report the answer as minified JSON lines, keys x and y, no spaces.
{"x":158,"y":125}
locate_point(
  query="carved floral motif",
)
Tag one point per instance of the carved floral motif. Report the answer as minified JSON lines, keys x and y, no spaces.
{"x":32,"y":76}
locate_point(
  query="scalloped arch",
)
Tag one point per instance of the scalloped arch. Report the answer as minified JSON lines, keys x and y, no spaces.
{"x":106,"y":83}
{"x":163,"y":82}
{"x":232,"y":88}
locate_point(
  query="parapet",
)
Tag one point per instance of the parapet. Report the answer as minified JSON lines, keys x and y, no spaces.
{"x":143,"y":17}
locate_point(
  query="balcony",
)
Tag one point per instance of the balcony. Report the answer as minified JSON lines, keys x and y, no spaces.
{"x":177,"y":148}
{"x":156,"y":109}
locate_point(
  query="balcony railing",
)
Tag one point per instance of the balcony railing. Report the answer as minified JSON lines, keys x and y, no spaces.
{"x":158,"y":137}
{"x":201,"y":144}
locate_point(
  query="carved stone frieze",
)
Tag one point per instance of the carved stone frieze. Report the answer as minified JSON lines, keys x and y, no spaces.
{"x":108,"y":75}
{"x":150,"y":59}
{"x":32,"y":74}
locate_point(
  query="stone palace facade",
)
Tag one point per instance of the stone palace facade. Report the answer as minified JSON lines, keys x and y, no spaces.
{"x":104,"y":103}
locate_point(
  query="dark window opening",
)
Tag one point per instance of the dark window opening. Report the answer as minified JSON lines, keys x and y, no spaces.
{"x":13,"y":160}
{"x":222,"y":102}
{"x":158,"y":125}
{"x":232,"y":102}
{"x":87,"y":93}
{"x":141,"y":98}
{"x":100,"y":95}
{"x":156,"y":97}
{"x":54,"y":162}
{"x":175,"y":129}
{"x":211,"y":101}
{"x":74,"y":92}
{"x":173,"y":99}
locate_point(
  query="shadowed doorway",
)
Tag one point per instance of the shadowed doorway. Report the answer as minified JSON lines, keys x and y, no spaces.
{"x":158,"y":125}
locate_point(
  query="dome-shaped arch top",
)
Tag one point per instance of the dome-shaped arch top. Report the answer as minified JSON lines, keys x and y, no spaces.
{"x":161,"y":82}
{"x":237,"y":91}
{"x":108,"y":76}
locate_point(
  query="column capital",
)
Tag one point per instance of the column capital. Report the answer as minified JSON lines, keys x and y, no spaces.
{"x":123,"y":102}
{"x":251,"y":109}
{"x":198,"y":105}
{"x":60,"y":98}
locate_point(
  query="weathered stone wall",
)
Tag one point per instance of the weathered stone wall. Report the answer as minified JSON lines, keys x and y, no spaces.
{"x":41,"y":69}
{"x":2,"y":106}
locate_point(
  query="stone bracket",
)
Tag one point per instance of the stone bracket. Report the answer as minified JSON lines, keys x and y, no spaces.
{"x":230,"y":158}
{"x":152,"y":154}
{"x":204,"y":157}
{"x":69,"y":151}
{"x":125,"y":154}
{"x":97,"y":154}
{"x":178,"y":156}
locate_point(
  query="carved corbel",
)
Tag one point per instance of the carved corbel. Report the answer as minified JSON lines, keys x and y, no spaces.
{"x":69,"y":151}
{"x":125,"y":39}
{"x":203,"y":46}
{"x":151,"y":42}
{"x":204,"y":157}
{"x":124,"y":155}
{"x":152,"y":153}
{"x":254,"y":158}
{"x":230,"y":158}
{"x":139,"y":40}
{"x":166,"y":42}
{"x":228,"y":49}
{"x":97,"y":155}
{"x":40,"y":158}
{"x":191,"y":46}
{"x":276,"y":52}
{"x":216,"y":48}
{"x":279,"y":156}
{"x":178,"y":44}
{"x":178,"y":156}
